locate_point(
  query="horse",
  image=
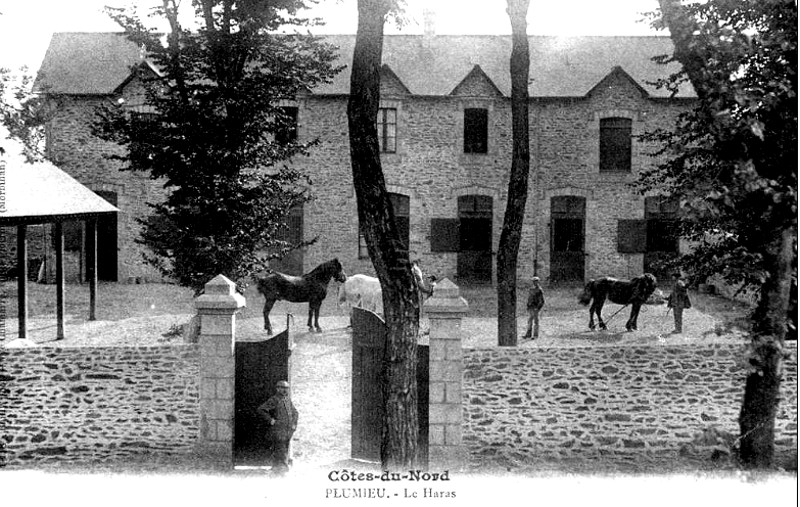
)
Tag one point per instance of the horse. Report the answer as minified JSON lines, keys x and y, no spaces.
{"x":364,"y":291}
{"x":634,"y":292}
{"x":312,"y":287}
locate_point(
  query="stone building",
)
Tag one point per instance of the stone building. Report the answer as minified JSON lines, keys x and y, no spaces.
{"x":445,"y":134}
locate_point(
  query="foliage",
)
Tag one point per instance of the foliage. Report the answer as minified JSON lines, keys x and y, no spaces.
{"x":732,"y":160}
{"x":210,"y":126}
{"x":21,"y":112}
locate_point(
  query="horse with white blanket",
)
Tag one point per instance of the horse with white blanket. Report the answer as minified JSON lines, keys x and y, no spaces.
{"x":364,"y":291}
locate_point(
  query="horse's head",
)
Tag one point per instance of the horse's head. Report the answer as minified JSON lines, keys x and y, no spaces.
{"x":644,"y":286}
{"x":338,"y":271}
{"x":588,"y":292}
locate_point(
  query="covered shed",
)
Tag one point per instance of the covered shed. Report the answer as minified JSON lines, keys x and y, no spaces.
{"x":41,"y":193}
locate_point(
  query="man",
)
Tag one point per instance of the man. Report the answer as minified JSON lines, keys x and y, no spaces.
{"x":281,"y":416}
{"x":535,"y":303}
{"x":678,"y":300}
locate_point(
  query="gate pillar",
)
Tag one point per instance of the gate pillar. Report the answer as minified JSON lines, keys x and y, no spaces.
{"x":445,"y":310}
{"x":217,"y":309}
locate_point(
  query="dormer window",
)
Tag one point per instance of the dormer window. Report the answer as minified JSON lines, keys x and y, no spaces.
{"x":387,"y":129}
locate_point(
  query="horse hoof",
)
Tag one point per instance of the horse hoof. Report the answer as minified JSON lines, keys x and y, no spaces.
{"x":603,"y":327}
{"x":319,"y":329}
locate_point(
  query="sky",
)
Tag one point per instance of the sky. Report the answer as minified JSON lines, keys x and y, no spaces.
{"x":27,"y":25}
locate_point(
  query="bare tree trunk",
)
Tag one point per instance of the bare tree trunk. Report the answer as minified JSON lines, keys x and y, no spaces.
{"x":399,"y":431}
{"x":511,"y":234}
{"x":762,"y":387}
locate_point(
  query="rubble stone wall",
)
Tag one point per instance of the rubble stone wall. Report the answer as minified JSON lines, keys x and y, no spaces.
{"x":88,"y":405}
{"x":624,"y":404}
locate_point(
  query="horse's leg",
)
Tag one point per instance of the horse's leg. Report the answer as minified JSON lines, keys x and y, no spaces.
{"x":268,"y":303}
{"x":316,"y":316}
{"x":599,"y":310}
{"x":591,"y":316}
{"x":310,"y":316}
{"x":631,"y":324}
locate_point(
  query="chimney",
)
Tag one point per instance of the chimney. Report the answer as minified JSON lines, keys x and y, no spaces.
{"x":429,"y":22}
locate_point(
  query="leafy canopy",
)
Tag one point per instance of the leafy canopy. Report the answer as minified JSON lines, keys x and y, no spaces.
{"x":732,"y":159}
{"x":210,"y":125}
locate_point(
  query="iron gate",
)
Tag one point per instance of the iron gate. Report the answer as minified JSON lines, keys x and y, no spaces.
{"x":259,"y":366}
{"x":369,"y":343}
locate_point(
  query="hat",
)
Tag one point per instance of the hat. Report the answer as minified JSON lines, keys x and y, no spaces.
{"x":535,"y":279}
{"x":282,"y":383}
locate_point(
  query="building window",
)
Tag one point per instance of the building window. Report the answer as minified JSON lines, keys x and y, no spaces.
{"x":143,"y":120}
{"x":615,"y":144}
{"x":387,"y":129}
{"x":401,"y":207}
{"x":476,"y":130}
{"x":286,"y":127}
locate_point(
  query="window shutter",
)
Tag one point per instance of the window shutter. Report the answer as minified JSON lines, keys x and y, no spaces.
{"x":444,"y":234}
{"x":631,"y":236}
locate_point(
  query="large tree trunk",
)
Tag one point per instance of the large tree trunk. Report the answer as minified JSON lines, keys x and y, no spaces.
{"x":762,"y":388}
{"x":400,"y":301}
{"x":510,"y":236}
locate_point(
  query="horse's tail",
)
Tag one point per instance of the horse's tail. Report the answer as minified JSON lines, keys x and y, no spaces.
{"x":588,"y":293}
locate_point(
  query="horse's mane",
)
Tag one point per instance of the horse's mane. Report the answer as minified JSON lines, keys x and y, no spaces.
{"x":323,"y":269}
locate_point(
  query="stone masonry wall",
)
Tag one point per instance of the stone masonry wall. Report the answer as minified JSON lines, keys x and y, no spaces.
{"x":626,"y":405}
{"x":73,"y":148}
{"x":84,"y":405}
{"x":429,"y":167}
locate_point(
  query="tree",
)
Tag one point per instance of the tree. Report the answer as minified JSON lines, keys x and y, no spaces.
{"x":211,"y":127}
{"x":399,"y":431}
{"x":732,"y":161}
{"x":511,"y":233}
{"x":21,"y":112}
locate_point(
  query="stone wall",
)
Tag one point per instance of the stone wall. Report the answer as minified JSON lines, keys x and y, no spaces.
{"x":94,"y":404}
{"x":624,"y":405}
{"x":429,"y":167}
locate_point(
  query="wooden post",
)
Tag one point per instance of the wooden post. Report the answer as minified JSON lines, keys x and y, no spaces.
{"x":22,"y":279}
{"x":59,"y":232}
{"x":91,"y":265}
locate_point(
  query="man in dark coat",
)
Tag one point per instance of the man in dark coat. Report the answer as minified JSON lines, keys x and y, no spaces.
{"x":281,"y":416}
{"x":535,"y":303}
{"x":678,"y":300}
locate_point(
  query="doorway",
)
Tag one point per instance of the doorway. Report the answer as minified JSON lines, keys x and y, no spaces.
{"x":567,"y":239}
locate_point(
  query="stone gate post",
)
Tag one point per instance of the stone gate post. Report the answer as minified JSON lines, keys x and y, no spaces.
{"x":217,"y":309}
{"x":445,"y":310}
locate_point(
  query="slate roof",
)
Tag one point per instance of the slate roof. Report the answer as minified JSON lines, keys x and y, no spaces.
{"x":41,"y":193}
{"x":97,"y":63}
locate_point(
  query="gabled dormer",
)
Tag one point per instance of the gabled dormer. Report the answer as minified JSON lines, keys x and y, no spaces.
{"x":476,"y":84}
{"x":391,"y":84}
{"x":618,"y":79}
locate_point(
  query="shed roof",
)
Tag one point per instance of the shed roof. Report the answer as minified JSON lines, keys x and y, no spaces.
{"x":98,"y":63}
{"x":41,"y":192}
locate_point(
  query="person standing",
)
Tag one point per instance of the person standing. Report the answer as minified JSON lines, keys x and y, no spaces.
{"x":678,"y":300}
{"x":534,"y":305}
{"x":281,"y":416}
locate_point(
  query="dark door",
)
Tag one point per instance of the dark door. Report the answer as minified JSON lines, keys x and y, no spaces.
{"x":567,"y":240}
{"x":369,"y":342}
{"x":292,"y":263}
{"x":107,"y":241}
{"x":259,"y":366}
{"x":474,"y":264}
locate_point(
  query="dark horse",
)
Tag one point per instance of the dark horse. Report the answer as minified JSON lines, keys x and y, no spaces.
{"x":311,"y":287}
{"x":621,"y":292}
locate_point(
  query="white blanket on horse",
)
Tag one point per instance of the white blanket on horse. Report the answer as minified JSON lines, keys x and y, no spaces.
{"x":364,"y":291}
